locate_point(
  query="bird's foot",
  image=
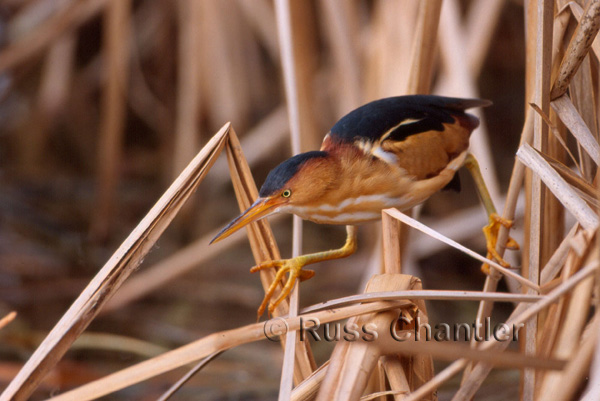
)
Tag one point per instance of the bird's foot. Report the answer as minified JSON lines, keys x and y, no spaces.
{"x":294,"y":268}
{"x":491,"y":237}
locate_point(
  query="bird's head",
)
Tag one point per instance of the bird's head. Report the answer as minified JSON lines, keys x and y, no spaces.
{"x":298,"y":181}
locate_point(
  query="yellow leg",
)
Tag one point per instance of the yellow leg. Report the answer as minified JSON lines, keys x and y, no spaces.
{"x":294,"y":269}
{"x":495,"y":221}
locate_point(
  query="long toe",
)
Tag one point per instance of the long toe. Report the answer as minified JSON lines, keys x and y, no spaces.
{"x":491,"y":237}
{"x":291,"y":267}
{"x":267,"y":265}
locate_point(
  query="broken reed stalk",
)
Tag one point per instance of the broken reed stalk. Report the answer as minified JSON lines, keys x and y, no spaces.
{"x":269,"y":133}
{"x":109,"y":279}
{"x":520,"y":315}
{"x":181,"y":382}
{"x":174,"y":358}
{"x":135,"y":248}
{"x":572,"y":322}
{"x":263,"y":245}
{"x":307,"y":390}
{"x":561,"y":189}
{"x":210,"y":344}
{"x":404,"y":372}
{"x":485,"y":307}
{"x":353,"y":362}
{"x":572,"y":119}
{"x":429,"y":295}
{"x":421,"y":227}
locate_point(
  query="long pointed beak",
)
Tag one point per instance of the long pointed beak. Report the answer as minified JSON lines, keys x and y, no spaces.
{"x":262,"y":207}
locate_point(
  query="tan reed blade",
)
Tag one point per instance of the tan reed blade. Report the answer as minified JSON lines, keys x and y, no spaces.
{"x":108,"y":280}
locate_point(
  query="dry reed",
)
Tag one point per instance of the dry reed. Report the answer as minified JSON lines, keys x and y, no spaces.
{"x":331,"y":55}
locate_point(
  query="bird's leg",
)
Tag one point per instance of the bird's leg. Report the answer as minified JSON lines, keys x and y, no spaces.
{"x":495,"y":221}
{"x":294,"y":269}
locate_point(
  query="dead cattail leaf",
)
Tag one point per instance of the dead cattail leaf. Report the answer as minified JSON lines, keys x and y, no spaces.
{"x":263,"y":244}
{"x":584,"y":188}
{"x":563,"y":191}
{"x":108,"y":280}
{"x":575,"y":371}
{"x":423,"y":294}
{"x":572,"y":322}
{"x":421,"y":227}
{"x":352,"y":363}
{"x":521,"y":314}
{"x":181,"y":382}
{"x":307,"y":390}
{"x":555,"y":132}
{"x":539,"y":242}
{"x":395,"y":375}
{"x":208,"y":345}
{"x":392,"y":233}
{"x":443,"y":351}
{"x":571,"y":118}
{"x":557,"y":260}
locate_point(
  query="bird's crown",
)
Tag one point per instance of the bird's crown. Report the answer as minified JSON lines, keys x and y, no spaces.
{"x":281,"y":174}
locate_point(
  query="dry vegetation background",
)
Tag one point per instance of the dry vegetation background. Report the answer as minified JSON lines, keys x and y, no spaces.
{"x":103,"y":103}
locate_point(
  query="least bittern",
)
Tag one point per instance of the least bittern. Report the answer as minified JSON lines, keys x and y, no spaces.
{"x":393,"y":152}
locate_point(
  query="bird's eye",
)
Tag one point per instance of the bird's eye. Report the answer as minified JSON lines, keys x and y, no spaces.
{"x":287,"y":193}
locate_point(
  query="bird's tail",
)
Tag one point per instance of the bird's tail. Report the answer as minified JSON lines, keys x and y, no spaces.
{"x":468,"y":121}
{"x":460,"y":104}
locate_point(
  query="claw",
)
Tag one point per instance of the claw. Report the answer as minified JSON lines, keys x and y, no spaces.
{"x":491,"y":236}
{"x":291,"y":266}
{"x":306,"y":274}
{"x":512,"y":244}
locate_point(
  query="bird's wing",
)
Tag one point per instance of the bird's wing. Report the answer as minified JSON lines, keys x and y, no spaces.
{"x":418,"y":133}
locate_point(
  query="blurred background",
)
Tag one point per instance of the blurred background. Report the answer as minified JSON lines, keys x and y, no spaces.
{"x":104,"y":102}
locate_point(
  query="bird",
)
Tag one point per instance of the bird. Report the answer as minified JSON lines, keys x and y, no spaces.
{"x":393,"y":152}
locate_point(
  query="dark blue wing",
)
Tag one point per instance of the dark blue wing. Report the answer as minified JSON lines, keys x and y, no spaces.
{"x":408,"y":114}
